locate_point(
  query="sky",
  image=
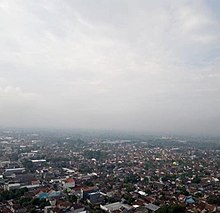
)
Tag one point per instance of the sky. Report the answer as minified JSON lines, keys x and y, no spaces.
{"x":143,"y":65}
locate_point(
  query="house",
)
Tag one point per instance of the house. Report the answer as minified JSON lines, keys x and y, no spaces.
{"x":77,"y":208}
{"x":16,"y":208}
{"x":210,"y":207}
{"x":64,"y":204}
{"x":189,"y":200}
{"x":181,"y":198}
{"x":152,"y":208}
{"x":42,"y":195}
{"x":4,"y":163}
{"x":35,"y":182}
{"x":53,"y":194}
{"x":68,"y":183}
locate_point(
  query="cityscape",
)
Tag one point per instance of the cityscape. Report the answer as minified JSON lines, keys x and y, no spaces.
{"x":109,"y":106}
{"x":59,"y":171}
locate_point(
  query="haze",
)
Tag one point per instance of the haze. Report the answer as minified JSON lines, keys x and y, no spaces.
{"x":149,"y":66}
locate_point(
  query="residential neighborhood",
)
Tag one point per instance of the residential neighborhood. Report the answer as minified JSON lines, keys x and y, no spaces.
{"x":43,"y":173}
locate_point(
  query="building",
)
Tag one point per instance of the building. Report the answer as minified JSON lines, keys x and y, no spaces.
{"x":86,"y":192}
{"x":68,"y":183}
{"x":117,"y":206}
{"x":11,"y":186}
{"x":152,"y":208}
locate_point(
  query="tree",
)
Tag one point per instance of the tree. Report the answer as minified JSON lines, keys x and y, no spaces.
{"x":35,"y":201}
{"x":25,"y":201}
{"x":72,"y":198}
{"x":28,"y":165}
{"x":12,"y":194}
{"x":97,"y":154}
{"x":44,"y":203}
{"x":196,"y":179}
{"x":132,"y":179}
{"x":32,"y":210}
{"x":213,"y":199}
{"x":172,"y":209}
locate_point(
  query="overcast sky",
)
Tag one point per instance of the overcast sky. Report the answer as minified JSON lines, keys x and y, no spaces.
{"x":141,"y":65}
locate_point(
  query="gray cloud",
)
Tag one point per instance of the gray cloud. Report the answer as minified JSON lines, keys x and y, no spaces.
{"x":135,"y":65}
